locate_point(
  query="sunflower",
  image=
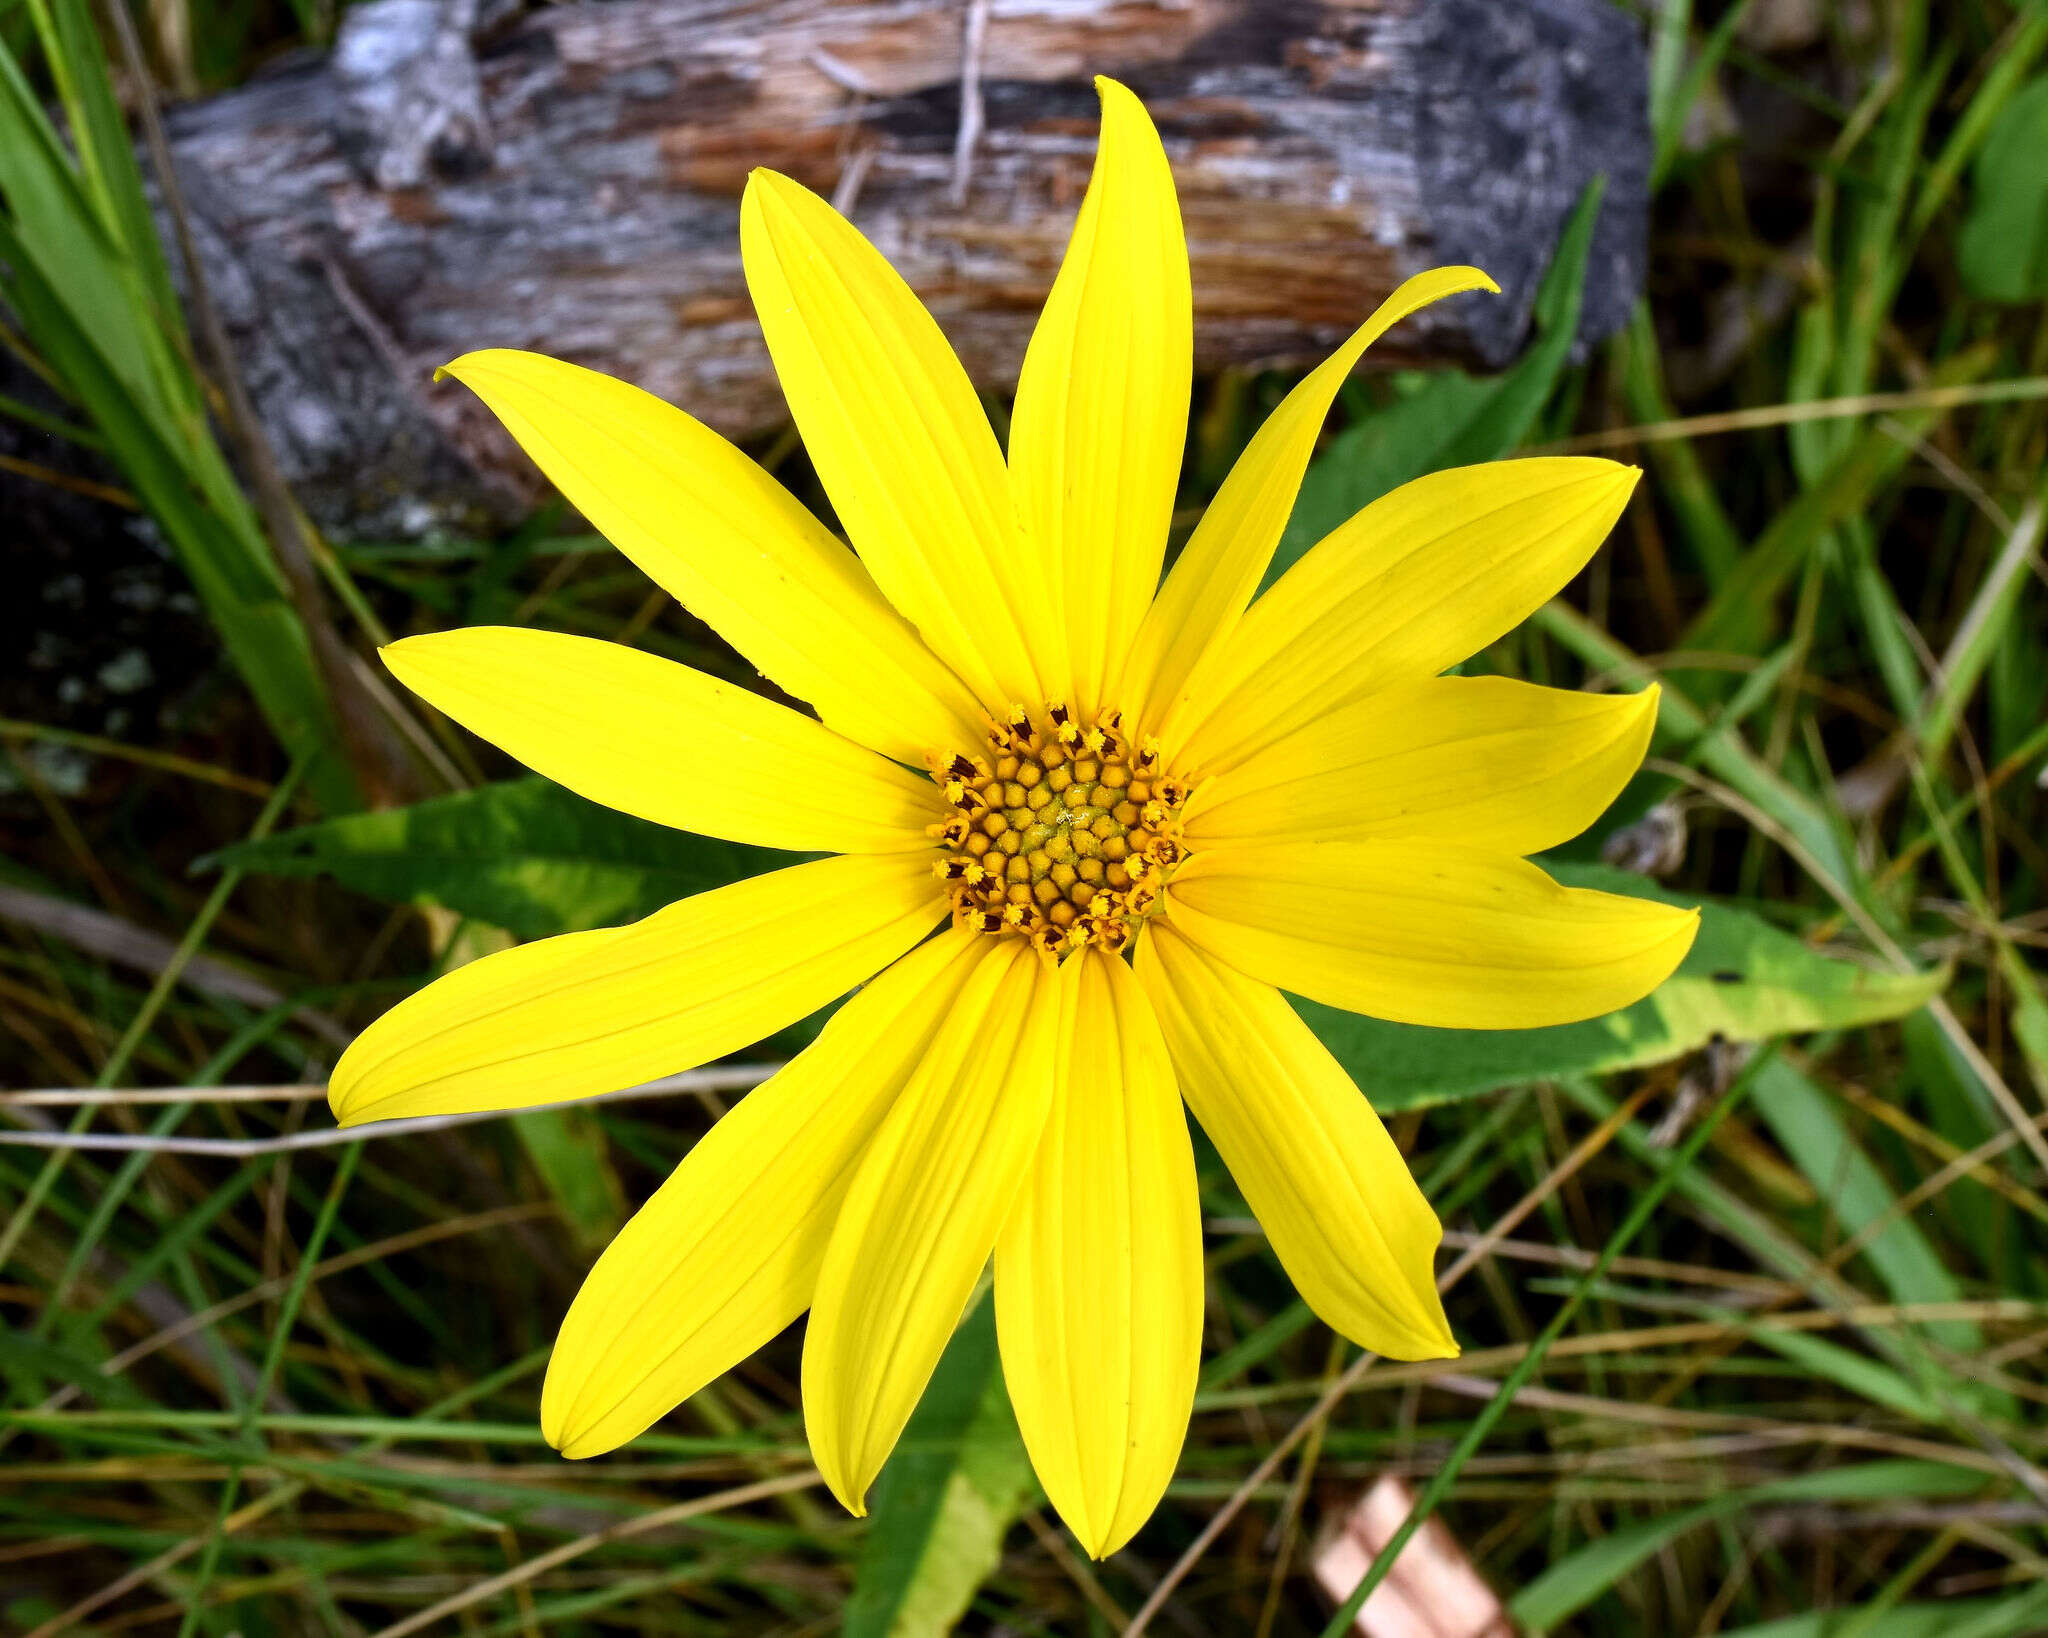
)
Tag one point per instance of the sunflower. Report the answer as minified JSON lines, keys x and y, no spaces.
{"x":1085,"y":826}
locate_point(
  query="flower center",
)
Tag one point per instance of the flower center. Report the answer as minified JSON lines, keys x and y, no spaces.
{"x":1062,"y":831}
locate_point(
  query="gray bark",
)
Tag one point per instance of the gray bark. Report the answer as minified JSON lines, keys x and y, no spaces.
{"x":569,"y":181}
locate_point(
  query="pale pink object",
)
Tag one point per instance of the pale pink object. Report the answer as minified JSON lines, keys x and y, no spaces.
{"x":1431,"y":1592}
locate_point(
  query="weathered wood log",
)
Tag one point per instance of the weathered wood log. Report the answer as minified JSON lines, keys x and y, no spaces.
{"x":569,"y":181}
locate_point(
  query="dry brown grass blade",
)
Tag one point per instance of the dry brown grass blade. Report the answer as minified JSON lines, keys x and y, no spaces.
{"x":555,"y":1557}
{"x":1782,"y":415}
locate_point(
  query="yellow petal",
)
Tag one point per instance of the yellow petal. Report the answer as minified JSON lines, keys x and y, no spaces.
{"x":595,"y":1012}
{"x":658,"y":740}
{"x":1420,"y":579}
{"x":1102,"y":404}
{"x":1226,"y":557}
{"x":1426,"y":932}
{"x":921,"y":1217}
{"x":1480,"y":761}
{"x":1099,"y":1269}
{"x":1312,"y":1159}
{"x":732,"y":546}
{"x":726,"y":1253}
{"x":898,"y":436}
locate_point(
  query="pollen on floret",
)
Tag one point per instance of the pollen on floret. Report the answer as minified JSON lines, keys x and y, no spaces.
{"x":1064,"y":832}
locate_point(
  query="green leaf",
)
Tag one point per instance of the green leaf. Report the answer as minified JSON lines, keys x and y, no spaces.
{"x":83,"y":274}
{"x":1858,"y":1374}
{"x":1952,"y":1618}
{"x":568,"y":1149}
{"x":106,"y":155}
{"x":1452,"y":419}
{"x":2002,"y":251}
{"x":1742,"y":981}
{"x":949,"y":1492}
{"x":1575,"y":1580}
{"x":525,"y":855}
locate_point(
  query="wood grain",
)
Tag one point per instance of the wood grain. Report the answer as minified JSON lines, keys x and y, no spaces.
{"x":569,"y":181}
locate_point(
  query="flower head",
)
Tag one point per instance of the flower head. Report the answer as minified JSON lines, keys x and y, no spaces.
{"x":1086,"y":825}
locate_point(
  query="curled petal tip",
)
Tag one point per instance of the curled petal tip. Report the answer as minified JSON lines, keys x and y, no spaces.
{"x":457,"y":368}
{"x":1480,"y":278}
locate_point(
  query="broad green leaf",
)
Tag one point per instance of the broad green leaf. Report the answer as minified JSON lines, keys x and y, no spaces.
{"x":1452,"y":419}
{"x":1575,"y":1580}
{"x":568,"y":1149}
{"x":2002,"y":251}
{"x":954,"y":1485}
{"x":1744,"y":980}
{"x":525,"y":855}
{"x":2011,"y":1617}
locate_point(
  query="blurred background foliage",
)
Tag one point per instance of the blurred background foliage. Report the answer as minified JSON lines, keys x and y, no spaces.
{"x":269,"y":1389}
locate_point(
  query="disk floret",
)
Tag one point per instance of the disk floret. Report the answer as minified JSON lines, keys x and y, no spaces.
{"x":1061,"y":830}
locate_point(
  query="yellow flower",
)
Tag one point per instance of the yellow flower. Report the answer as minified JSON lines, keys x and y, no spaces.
{"x":1144,"y":816}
